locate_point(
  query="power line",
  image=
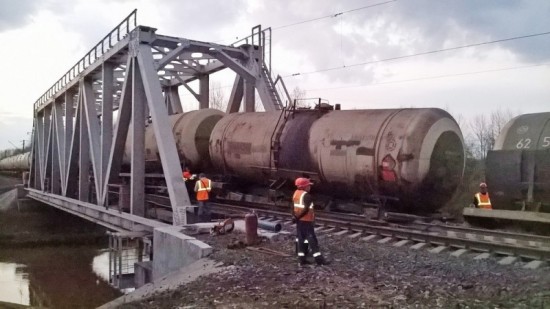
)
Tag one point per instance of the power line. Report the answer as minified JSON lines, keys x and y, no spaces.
{"x":433,"y":77}
{"x":417,"y":79}
{"x":332,"y":15}
{"x":418,"y":54}
{"x":323,"y":17}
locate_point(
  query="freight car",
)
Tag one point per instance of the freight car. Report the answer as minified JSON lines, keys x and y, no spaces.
{"x":415,"y":156}
{"x":16,"y":163}
{"x":518,"y":172}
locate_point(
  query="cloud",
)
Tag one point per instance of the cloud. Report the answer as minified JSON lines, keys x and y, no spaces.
{"x":465,"y":22}
{"x":403,"y":28}
{"x":14,"y":14}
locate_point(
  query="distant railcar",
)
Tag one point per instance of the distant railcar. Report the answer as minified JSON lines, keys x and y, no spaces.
{"x":17,"y":163}
{"x":518,"y":169}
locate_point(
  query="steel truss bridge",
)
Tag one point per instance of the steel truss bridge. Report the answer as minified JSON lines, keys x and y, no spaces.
{"x":131,"y":79}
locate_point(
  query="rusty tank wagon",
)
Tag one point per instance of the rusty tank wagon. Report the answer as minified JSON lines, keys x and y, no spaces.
{"x":414,"y":155}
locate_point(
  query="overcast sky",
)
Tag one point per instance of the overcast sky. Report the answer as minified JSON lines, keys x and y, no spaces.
{"x":41,"y":40}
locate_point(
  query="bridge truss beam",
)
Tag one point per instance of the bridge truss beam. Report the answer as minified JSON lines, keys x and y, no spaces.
{"x":131,"y":84}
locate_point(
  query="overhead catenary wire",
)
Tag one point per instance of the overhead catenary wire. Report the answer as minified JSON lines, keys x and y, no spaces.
{"x":331,"y":15}
{"x":420,"y":78}
{"x":433,"y":77}
{"x":325,"y":17}
{"x":404,"y":56}
{"x":416,"y":54}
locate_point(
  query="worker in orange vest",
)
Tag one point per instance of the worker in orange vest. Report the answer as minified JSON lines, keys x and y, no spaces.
{"x":203,"y":186}
{"x":304,"y":216}
{"x":189,"y":185}
{"x":187,"y":174}
{"x":481,"y":199}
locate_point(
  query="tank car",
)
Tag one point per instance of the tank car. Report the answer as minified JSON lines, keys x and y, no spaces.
{"x":518,"y":168}
{"x":16,"y":163}
{"x":192,"y":134}
{"x":415,"y":155}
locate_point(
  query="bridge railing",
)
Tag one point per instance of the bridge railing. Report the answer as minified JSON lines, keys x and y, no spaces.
{"x":118,"y":33}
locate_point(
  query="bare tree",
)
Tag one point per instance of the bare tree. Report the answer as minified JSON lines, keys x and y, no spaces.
{"x":487,"y":129}
{"x":217,"y":96}
{"x":299,"y":96}
{"x":480,"y":129}
{"x":497,"y":121}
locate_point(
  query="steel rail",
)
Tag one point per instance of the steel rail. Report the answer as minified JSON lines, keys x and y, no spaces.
{"x":501,"y":234}
{"x":432,"y":237}
{"x":450,"y":229}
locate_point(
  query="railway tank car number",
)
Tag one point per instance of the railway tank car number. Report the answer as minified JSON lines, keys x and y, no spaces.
{"x":525,"y":143}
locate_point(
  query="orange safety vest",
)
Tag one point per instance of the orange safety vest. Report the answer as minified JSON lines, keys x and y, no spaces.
{"x":299,"y":206}
{"x":205,"y":185}
{"x":483,"y":201}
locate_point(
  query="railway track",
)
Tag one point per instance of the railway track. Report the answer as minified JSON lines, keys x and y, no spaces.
{"x":458,"y":240}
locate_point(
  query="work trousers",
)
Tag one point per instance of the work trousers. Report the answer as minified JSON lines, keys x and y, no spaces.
{"x":305,"y":230}
{"x":204,"y":210}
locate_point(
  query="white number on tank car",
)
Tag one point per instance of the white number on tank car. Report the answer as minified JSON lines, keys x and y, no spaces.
{"x":546,"y":141}
{"x":524,"y":143}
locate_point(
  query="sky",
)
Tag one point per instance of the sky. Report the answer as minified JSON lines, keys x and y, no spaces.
{"x":341,"y":51}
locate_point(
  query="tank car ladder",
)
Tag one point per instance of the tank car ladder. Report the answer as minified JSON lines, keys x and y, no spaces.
{"x":276,"y":138}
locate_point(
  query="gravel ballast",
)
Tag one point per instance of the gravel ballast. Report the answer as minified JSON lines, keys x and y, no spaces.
{"x":362,"y":275}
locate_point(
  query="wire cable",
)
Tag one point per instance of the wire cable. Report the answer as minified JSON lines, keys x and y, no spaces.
{"x":417,"y":54}
{"x":433,"y":77}
{"x":332,"y":15}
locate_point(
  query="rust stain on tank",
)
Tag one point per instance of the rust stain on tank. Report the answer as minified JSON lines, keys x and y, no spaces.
{"x":239,"y":148}
{"x":340,"y":143}
{"x":337,"y":152}
{"x":364,"y":151}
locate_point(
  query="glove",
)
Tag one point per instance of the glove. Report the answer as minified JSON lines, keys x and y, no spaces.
{"x":294,"y":219}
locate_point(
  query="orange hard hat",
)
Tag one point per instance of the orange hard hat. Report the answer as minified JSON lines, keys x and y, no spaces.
{"x":302,"y":182}
{"x":483,"y":185}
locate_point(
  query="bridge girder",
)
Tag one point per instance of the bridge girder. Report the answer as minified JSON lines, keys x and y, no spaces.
{"x":82,"y":122}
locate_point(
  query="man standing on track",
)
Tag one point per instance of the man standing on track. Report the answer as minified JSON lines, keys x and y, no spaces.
{"x":304,"y":216}
{"x":203,"y":186}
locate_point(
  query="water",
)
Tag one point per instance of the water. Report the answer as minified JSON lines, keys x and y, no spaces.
{"x":56,"y":277}
{"x":37,"y":270}
{"x":15,"y":284}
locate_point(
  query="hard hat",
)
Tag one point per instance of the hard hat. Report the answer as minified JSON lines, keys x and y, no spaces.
{"x":302,"y":182}
{"x":483,"y":185}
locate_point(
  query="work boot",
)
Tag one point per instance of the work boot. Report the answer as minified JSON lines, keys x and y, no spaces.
{"x":320,"y":260}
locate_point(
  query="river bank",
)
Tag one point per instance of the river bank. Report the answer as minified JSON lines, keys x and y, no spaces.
{"x":36,"y":224}
{"x":49,"y":258}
